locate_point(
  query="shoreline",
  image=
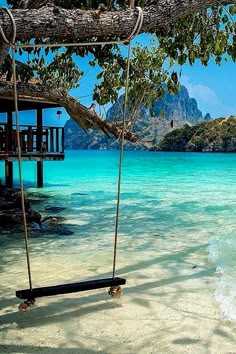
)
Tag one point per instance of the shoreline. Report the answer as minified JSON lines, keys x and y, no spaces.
{"x":168,"y":307}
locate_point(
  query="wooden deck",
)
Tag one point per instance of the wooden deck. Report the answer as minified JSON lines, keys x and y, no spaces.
{"x":37,"y":143}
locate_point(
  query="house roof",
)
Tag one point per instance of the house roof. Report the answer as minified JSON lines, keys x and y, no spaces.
{"x":25,"y":104}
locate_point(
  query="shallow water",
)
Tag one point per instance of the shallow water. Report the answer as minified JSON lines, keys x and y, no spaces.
{"x":165,"y":196}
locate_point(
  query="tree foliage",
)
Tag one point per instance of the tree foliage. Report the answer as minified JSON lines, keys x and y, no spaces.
{"x":155,"y":68}
{"x":209,"y":33}
{"x":215,"y":135}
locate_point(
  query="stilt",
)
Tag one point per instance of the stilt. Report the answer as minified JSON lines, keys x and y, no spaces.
{"x":9,"y":173}
{"x":39,"y":174}
{"x":9,"y":131}
{"x":39,"y":129}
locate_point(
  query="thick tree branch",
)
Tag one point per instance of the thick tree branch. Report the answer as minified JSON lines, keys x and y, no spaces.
{"x":81,"y":114}
{"x":74,"y":25}
{"x":3,"y":52}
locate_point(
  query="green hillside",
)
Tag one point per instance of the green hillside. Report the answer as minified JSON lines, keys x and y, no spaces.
{"x":217,"y":135}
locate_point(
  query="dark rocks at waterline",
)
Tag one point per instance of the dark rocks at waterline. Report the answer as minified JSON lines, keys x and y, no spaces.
{"x":14,"y":216}
{"x":11,"y":199}
{"x":51,"y":224}
{"x":36,"y":229}
{"x":11,"y":210}
{"x":36,"y":198}
{"x":11,"y":218}
{"x":53,"y":219}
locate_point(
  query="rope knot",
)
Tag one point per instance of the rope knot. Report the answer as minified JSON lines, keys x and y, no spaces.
{"x":137,"y":26}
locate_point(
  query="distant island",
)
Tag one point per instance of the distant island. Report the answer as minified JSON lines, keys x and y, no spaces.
{"x":190,"y":131}
{"x":218,"y":135}
{"x":153,"y":125}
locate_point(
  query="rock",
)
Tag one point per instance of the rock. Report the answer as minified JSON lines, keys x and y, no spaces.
{"x":32,"y":215}
{"x":57,"y":219}
{"x":36,"y":198}
{"x":11,"y":211}
{"x":207,"y":116}
{"x":14,"y":216}
{"x":49,"y":223}
{"x":11,"y":220}
{"x":179,"y":107}
{"x":54,"y":209}
{"x":35,"y":227}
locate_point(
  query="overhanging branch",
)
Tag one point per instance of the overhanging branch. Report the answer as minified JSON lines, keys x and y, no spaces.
{"x":81,"y":114}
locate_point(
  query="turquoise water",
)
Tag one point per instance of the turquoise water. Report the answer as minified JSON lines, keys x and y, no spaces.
{"x":172,"y":196}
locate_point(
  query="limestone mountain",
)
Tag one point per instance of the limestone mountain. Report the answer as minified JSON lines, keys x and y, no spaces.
{"x":180,"y":108}
{"x":218,"y":135}
{"x":171,"y":112}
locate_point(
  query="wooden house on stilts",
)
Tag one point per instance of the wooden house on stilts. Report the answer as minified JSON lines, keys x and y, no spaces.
{"x":38,"y":142}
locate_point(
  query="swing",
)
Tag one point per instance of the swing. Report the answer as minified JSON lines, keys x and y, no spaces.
{"x":29,"y":295}
{"x":69,"y":288}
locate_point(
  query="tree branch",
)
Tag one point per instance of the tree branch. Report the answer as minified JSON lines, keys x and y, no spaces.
{"x":75,"y":24}
{"x":3,"y":52}
{"x":85,"y":117}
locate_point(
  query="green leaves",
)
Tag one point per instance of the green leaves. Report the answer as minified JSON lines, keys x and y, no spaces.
{"x":232,"y":10}
{"x":62,"y":72}
{"x":201,"y":36}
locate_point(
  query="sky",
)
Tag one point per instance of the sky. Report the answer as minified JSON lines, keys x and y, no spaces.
{"x":214,"y":86}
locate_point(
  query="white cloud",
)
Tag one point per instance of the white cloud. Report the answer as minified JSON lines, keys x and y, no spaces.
{"x":202,"y":93}
{"x":208,"y":100}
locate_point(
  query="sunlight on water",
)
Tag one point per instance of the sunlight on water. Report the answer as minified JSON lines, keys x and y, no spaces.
{"x":167,"y":197}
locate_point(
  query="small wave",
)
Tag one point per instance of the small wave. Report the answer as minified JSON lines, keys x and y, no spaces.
{"x":222,"y":252}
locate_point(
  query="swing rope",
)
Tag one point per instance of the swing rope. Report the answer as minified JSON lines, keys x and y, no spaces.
{"x":20,"y":171}
{"x":121,"y":162}
{"x":11,"y":43}
{"x":136,"y":31}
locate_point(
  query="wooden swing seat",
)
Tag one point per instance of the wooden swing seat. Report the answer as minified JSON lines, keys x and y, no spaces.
{"x":28,"y":294}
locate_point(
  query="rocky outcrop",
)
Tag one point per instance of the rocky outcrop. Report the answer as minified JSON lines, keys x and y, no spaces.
{"x":179,"y":109}
{"x":218,"y":135}
{"x":10,"y":208}
{"x":11,"y":220}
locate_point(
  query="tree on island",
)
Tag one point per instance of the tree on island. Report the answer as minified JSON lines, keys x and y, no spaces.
{"x":185,"y":30}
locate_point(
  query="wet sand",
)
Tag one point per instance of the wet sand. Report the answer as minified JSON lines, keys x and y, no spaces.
{"x":168,"y":304}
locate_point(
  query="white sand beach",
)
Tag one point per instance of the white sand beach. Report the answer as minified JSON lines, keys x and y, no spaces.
{"x":168,"y":306}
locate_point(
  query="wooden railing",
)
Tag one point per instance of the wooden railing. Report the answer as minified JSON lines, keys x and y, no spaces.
{"x":32,"y":139}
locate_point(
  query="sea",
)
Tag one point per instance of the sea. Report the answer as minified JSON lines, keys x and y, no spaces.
{"x":164,"y":195}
